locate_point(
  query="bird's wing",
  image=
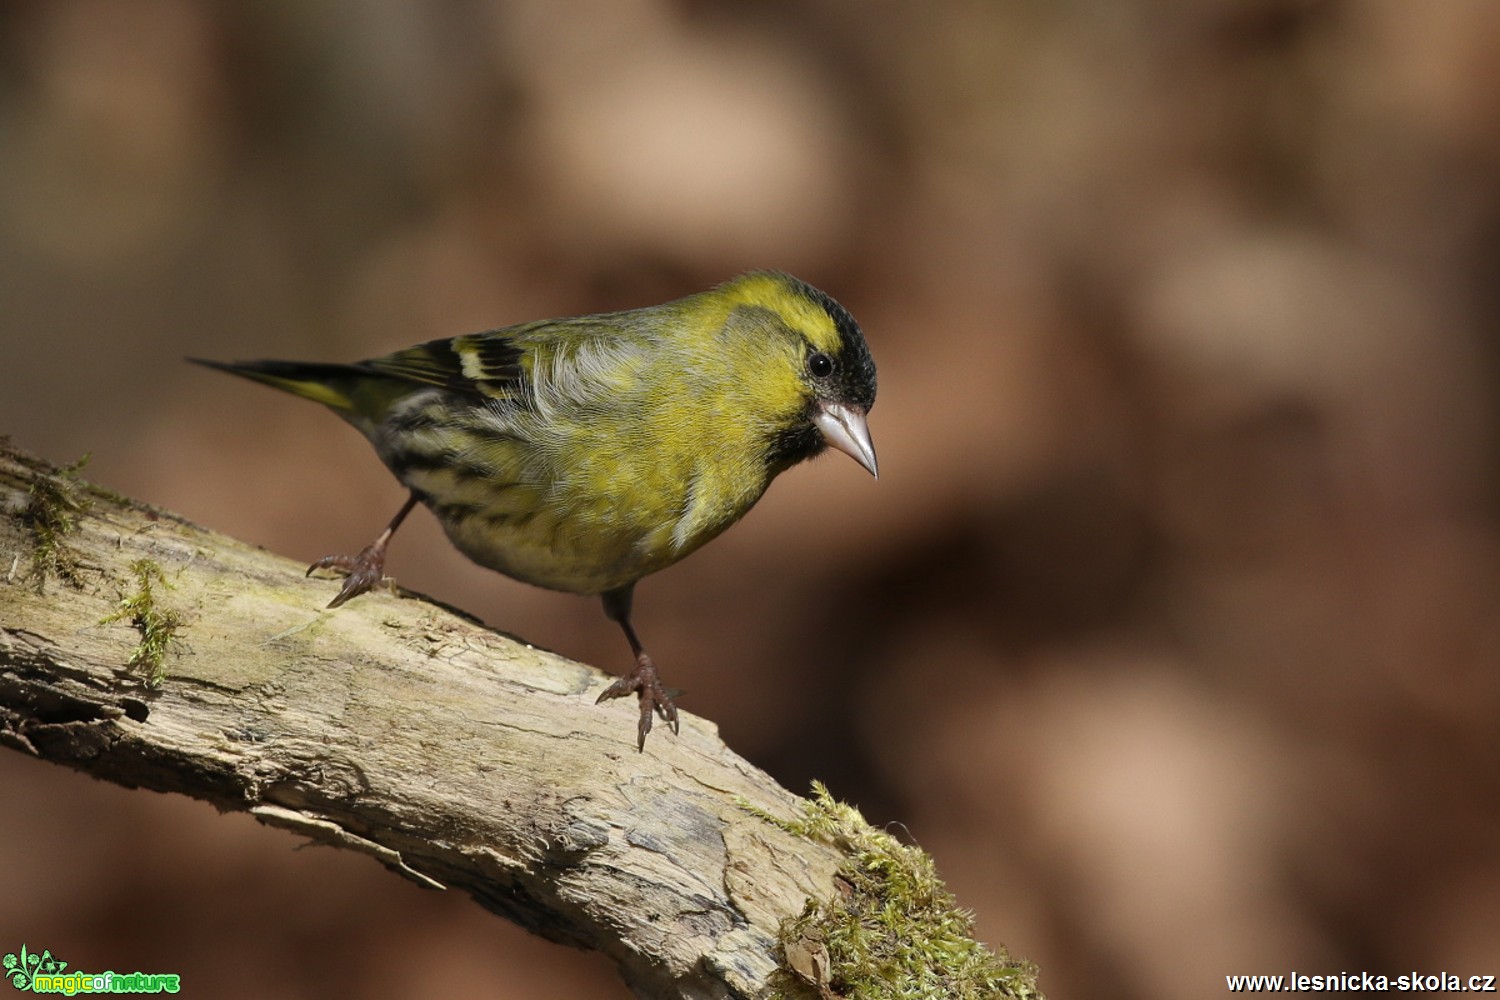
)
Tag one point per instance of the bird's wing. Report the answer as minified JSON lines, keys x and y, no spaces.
{"x":476,"y":364}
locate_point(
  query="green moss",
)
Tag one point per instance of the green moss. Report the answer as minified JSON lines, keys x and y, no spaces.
{"x":112,"y":495}
{"x":892,"y":931}
{"x":158,"y":626}
{"x":53,"y":506}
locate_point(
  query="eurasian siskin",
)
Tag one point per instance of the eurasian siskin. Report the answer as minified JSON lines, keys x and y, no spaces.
{"x":583,"y":454}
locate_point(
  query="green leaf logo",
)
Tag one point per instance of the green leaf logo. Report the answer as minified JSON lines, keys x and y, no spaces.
{"x":22,"y":969}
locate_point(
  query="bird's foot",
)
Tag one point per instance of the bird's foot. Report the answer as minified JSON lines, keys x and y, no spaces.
{"x":644,"y":682}
{"x":365,"y":571}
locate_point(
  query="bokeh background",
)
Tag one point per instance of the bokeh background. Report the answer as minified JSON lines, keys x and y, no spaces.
{"x":1172,"y":627}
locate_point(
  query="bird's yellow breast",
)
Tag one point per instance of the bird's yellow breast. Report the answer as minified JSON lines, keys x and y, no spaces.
{"x":598,"y":498}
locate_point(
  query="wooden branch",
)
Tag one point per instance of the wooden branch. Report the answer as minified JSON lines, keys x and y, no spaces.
{"x":393,"y":726}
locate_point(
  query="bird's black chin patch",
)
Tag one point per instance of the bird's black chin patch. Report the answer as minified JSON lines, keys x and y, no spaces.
{"x":793,"y":445}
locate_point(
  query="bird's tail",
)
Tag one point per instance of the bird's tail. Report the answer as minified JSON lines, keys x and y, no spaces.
{"x":335,"y":386}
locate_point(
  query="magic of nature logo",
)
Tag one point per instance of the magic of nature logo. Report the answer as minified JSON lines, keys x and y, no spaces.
{"x":42,"y":973}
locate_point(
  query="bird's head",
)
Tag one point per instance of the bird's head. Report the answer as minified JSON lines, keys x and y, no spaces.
{"x":814,"y":374}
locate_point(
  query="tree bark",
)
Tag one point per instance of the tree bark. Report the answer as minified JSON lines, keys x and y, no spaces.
{"x":455,"y":756}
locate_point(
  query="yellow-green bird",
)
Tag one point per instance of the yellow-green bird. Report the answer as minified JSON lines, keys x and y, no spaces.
{"x":582,"y":454}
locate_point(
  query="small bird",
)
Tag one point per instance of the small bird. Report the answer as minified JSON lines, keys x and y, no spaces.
{"x":583,"y":454}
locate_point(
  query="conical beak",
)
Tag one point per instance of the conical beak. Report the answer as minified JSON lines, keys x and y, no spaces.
{"x":845,"y":429}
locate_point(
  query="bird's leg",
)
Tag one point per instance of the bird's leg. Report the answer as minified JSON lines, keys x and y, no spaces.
{"x":368,"y":568}
{"x":643,"y":680}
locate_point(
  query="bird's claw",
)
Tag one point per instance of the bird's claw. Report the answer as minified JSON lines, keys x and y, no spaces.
{"x":364,"y":572}
{"x":644,"y":682}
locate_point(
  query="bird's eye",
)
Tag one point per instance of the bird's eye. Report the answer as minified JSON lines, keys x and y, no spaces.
{"x":820,"y":364}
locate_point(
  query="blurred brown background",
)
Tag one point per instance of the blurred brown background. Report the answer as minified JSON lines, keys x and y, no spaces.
{"x":1172,"y":626}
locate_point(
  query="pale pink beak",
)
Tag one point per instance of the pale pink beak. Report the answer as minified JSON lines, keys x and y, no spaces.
{"x":845,"y":428}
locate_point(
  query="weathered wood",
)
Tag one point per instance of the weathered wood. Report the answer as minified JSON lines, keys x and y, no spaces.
{"x":151,"y":652}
